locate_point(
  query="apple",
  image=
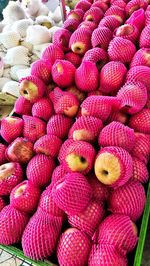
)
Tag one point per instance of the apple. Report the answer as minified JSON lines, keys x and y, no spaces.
{"x":23,"y":106}
{"x":59,"y":126}
{"x":12,"y":225}
{"x":141,"y":57}
{"x":116,"y":134}
{"x":69,"y":250}
{"x":47,"y":24}
{"x":63,"y":73}
{"x":78,"y":156}
{"x":80,"y":41}
{"x":64,"y":102}
{"x":46,"y":229}
{"x":32,"y":88}
{"x":76,"y":92}
{"x":20,"y":150}
{"x":113,"y":166}
{"x":34,"y":128}
{"x":120,"y":200}
{"x":61,"y":37}
{"x":94,"y":14}
{"x":48,"y":145}
{"x":2,"y":204}
{"x":119,"y":231}
{"x":25,"y":196}
{"x":2,"y":153}
{"x":10,"y":175}
{"x":88,"y":220}
{"x":72,"y":193}
{"x":86,"y":128}
{"x":52,"y":53}
{"x":11,"y":128}
{"x":76,"y":14}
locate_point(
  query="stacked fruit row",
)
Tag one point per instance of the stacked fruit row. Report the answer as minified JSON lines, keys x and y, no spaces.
{"x":80,"y":147}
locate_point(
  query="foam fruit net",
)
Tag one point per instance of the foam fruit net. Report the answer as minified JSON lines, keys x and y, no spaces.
{"x":80,"y":139}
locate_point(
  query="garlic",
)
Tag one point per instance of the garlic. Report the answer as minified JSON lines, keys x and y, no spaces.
{"x":13,"y":12}
{"x":21,"y":26}
{"x":11,"y":87}
{"x":37,"y":35}
{"x":17,"y":56}
{"x":9,"y":39}
{"x":3,"y":81}
{"x":14,"y":69}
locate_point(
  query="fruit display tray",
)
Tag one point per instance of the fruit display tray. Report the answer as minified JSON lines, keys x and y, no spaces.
{"x":135,"y":259}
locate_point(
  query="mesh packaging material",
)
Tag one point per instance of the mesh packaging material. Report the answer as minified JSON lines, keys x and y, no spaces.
{"x":141,"y":121}
{"x":77,"y":13}
{"x":134,"y":5}
{"x":140,"y":171}
{"x":37,"y":245}
{"x":141,"y":58}
{"x":11,"y":128}
{"x":2,"y":204}
{"x":116,"y":134}
{"x":112,"y":76}
{"x":99,"y":106}
{"x":96,"y":55}
{"x":71,"y":24}
{"x":39,"y":170}
{"x":119,"y":3}
{"x":52,"y":53}
{"x":133,"y":97}
{"x":47,"y":203}
{"x":83,"y":5}
{"x":58,"y":173}
{"x":147,"y":17}
{"x":72,"y":193}
{"x":59,"y":126}
{"x":64,"y":102}
{"x":76,"y":92}
{"x":23,"y":106}
{"x":121,"y":50}
{"x":94,"y":14}
{"x":38,"y":83}
{"x":100,"y":191}
{"x":117,"y":12}
{"x":119,"y":171}
{"x":73,"y":248}
{"x":101,"y":37}
{"x":87,"y":77}
{"x":42,"y":69}
{"x":88,"y":220}
{"x":127,"y":31}
{"x":64,"y":150}
{"x":43,"y":109}
{"x":12,"y":225}
{"x":34,"y":128}
{"x":75,"y":59}
{"x":20,"y":150}
{"x":106,"y":255}
{"x":81,"y":36}
{"x":141,"y":147}
{"x":129,"y":200}
{"x":103,"y":6}
{"x":88,"y":24}
{"x":139,"y":73}
{"x":48,"y":145}
{"x":2,"y":153}
{"x":119,"y":231}
{"x":110,"y":21}
{"x":80,"y":151}
{"x":86,"y":128}
{"x":144,"y":37}
{"x":25,"y":196}
{"x":137,"y":19}
{"x":61,"y":38}
{"x":63,"y":73}
{"x":10,"y":175}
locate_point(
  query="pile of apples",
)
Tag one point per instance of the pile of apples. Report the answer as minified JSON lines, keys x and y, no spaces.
{"x":74,"y":159}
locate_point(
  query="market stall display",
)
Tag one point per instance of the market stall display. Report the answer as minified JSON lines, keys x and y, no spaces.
{"x":77,"y":145}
